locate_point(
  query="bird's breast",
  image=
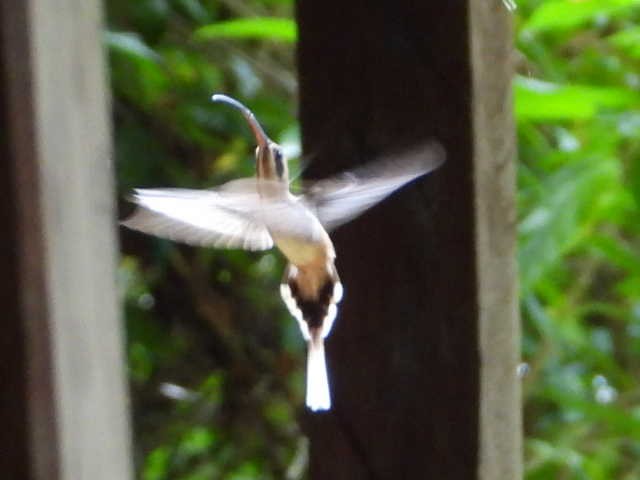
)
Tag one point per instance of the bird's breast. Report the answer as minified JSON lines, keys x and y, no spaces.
{"x":300,"y":251}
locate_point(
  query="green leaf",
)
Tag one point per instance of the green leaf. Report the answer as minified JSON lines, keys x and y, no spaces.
{"x":264,"y":28}
{"x":157,"y":464}
{"x":633,"y":177}
{"x":197,"y":441}
{"x":565,"y":15}
{"x":612,"y":416}
{"x":137,"y":70}
{"x":616,"y":252}
{"x":628,"y":41}
{"x":569,"y":203}
{"x":247,"y":471}
{"x":130,"y":44}
{"x":544,"y":101}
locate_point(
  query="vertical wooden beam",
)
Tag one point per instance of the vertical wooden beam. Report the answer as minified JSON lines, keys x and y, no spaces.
{"x":28,"y":437}
{"x":423,"y":355}
{"x":59,"y":251}
{"x":494,"y":170}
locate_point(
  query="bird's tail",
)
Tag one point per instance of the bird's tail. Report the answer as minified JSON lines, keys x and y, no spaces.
{"x":318,"y":395}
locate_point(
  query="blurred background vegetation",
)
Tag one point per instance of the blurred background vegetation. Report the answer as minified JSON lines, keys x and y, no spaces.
{"x":215,"y":363}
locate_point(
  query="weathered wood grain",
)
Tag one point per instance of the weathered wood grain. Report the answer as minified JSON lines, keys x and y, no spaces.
{"x":65,"y":319}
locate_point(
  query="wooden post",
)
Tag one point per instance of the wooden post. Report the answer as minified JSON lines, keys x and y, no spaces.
{"x":64,"y":393}
{"x":423,"y":355}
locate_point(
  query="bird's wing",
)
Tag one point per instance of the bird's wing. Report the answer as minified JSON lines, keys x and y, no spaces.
{"x":340,"y":199}
{"x":224,"y":217}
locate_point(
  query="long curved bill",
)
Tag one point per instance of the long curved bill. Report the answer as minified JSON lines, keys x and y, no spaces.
{"x":261,"y":137}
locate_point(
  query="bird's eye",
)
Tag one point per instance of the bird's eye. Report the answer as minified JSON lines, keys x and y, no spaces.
{"x":277,"y":159}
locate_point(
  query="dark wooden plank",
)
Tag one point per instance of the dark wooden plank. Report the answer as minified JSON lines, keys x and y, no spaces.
{"x":28,"y":438}
{"x":65,"y":404}
{"x":410,"y":355}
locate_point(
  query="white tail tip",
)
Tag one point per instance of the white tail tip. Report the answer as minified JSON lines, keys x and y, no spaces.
{"x":318,"y":395}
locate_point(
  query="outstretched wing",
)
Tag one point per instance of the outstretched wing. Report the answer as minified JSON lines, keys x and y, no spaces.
{"x":340,"y":199}
{"x":225,"y":217}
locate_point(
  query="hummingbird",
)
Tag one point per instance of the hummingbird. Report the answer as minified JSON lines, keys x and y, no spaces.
{"x":259,"y":212}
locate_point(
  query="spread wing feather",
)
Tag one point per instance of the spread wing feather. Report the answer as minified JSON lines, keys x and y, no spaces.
{"x":225,"y":218}
{"x":342,"y":198}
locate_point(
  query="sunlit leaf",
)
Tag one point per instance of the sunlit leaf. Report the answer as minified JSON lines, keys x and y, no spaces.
{"x":568,"y":14}
{"x":628,"y":41}
{"x":130,"y":44}
{"x":611,"y":415}
{"x":568,"y":201}
{"x":157,"y":464}
{"x":616,"y":253}
{"x":545,"y":101}
{"x":136,"y":69}
{"x":196,"y":441}
{"x":265,"y":28}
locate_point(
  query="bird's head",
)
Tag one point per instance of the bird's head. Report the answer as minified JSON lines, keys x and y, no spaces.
{"x":270,"y":161}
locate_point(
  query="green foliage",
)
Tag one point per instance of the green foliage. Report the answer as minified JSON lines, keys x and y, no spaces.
{"x":250,"y":28}
{"x":548,"y":102}
{"x":561,"y":15}
{"x":579,"y":137}
{"x":627,"y":41}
